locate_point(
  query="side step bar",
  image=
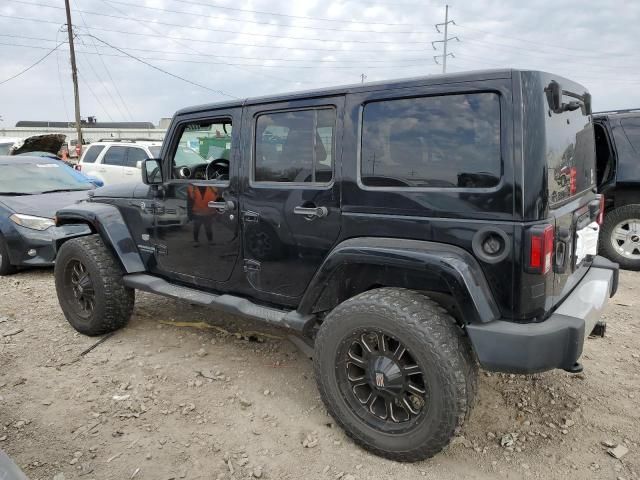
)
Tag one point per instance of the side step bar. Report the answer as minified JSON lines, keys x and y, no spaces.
{"x":227,"y":303}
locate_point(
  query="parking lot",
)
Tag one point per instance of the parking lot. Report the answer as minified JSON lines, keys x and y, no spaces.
{"x":190,"y":393}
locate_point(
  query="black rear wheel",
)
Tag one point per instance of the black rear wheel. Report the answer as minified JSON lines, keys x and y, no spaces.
{"x":90,"y":288}
{"x":396,"y":372}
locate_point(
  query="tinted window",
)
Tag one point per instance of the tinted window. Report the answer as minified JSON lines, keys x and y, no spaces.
{"x":631,"y":128}
{"x":135,"y":155}
{"x":295,"y":146}
{"x":92,"y":154}
{"x":446,"y":141}
{"x":115,"y":156}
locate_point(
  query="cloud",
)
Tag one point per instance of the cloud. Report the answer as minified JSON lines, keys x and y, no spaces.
{"x":247,"y":54}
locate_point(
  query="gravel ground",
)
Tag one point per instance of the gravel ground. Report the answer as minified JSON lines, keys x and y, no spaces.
{"x":184,"y":392}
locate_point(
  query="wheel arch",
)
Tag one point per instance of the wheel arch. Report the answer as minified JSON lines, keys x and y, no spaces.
{"x":449,"y":274}
{"x":106,"y":221}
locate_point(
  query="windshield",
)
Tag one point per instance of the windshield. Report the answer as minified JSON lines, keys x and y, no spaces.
{"x":5,"y":147}
{"x":34,"y":178}
{"x":186,"y":157}
{"x":155,"y":151}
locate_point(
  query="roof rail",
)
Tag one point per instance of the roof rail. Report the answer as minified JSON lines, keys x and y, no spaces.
{"x":130,"y":140}
{"x":627,"y":110}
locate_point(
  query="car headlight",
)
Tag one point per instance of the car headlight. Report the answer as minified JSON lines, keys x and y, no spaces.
{"x":34,"y":223}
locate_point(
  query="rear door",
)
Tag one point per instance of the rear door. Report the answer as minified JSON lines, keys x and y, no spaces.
{"x":571,"y":178}
{"x":290,"y":203}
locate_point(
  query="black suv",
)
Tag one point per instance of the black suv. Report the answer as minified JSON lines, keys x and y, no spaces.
{"x":618,"y":175}
{"x":406,"y":230}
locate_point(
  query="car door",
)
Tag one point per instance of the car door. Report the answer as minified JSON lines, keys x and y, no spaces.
{"x":290,"y":205}
{"x":130,"y":170}
{"x":196,"y":232}
{"x":112,"y":166}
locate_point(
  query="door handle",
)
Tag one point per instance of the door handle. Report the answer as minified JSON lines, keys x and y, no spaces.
{"x":311,"y":212}
{"x":223,"y":205}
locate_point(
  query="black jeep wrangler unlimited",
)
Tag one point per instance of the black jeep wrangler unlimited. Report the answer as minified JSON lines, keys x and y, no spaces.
{"x":618,"y":177}
{"x":407,"y":230}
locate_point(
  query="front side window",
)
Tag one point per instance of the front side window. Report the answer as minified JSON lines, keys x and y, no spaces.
{"x":135,"y":155}
{"x":115,"y":156}
{"x":92,"y":153}
{"x":449,"y":141}
{"x":203,"y":142}
{"x":295,"y":146}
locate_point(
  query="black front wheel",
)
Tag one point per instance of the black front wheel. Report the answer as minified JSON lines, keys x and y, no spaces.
{"x":396,"y":372}
{"x":5,"y":265}
{"x":90,"y":288}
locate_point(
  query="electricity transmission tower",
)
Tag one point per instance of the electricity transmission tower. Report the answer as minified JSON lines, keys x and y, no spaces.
{"x":444,"y":41}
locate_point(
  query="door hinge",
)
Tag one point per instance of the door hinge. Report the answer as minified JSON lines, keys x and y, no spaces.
{"x":251,"y":265}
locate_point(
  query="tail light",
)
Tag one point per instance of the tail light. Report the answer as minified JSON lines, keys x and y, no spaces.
{"x":540,"y":242}
{"x":600,"y":218}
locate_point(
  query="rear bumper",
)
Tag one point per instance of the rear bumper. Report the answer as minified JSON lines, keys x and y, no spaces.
{"x":557,"y":342}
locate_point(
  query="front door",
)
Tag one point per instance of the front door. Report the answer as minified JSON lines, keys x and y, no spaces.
{"x":196,"y":229}
{"x":290,"y":203}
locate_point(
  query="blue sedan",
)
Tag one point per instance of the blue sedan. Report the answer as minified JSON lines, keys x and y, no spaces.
{"x":32,"y":189}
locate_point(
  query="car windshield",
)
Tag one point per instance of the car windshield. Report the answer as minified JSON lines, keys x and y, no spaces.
{"x":5,"y":147}
{"x":33,"y":178}
{"x":186,"y":157}
{"x":155,"y":151}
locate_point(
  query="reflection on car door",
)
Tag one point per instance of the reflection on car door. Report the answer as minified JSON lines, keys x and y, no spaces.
{"x":196,"y":228}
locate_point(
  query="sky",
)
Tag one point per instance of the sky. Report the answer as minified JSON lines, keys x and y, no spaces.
{"x":130,"y":53}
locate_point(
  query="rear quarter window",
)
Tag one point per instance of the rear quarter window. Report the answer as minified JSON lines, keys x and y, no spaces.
{"x":448,"y":141}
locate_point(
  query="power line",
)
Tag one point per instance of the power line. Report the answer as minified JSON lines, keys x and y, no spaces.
{"x":162,"y":70}
{"x":244,"y":21}
{"x":217,"y":30}
{"x":32,"y":65}
{"x":284,"y":15}
{"x":104,"y":65}
{"x":95,"y":96}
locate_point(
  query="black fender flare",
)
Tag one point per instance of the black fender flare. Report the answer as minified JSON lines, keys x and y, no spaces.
{"x":107,"y":221}
{"x":456,"y":268}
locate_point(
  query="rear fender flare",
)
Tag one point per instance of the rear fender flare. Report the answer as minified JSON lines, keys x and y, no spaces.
{"x":106,"y":221}
{"x":459,"y":272}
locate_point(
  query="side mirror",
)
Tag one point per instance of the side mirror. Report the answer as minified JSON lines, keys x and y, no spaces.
{"x":151,"y":172}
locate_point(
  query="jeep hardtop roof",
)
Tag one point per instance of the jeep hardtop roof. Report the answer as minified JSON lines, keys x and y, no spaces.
{"x":458,"y":77}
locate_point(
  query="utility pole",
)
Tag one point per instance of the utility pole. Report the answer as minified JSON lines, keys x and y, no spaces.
{"x":74,"y":73}
{"x":444,"y":41}
{"x":363,"y":77}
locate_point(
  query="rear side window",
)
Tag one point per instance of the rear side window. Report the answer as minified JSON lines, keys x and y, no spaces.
{"x":450,"y":141}
{"x":92,"y":153}
{"x":295,"y":147}
{"x":135,"y":155}
{"x":116,"y":155}
{"x":631,"y":127}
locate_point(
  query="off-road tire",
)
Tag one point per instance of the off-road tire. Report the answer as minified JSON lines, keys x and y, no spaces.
{"x":113,"y":301}
{"x":611,"y":220}
{"x":5,"y":264}
{"x":436,"y":343}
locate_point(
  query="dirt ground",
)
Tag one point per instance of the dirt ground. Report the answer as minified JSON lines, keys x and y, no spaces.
{"x":173,"y":397}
